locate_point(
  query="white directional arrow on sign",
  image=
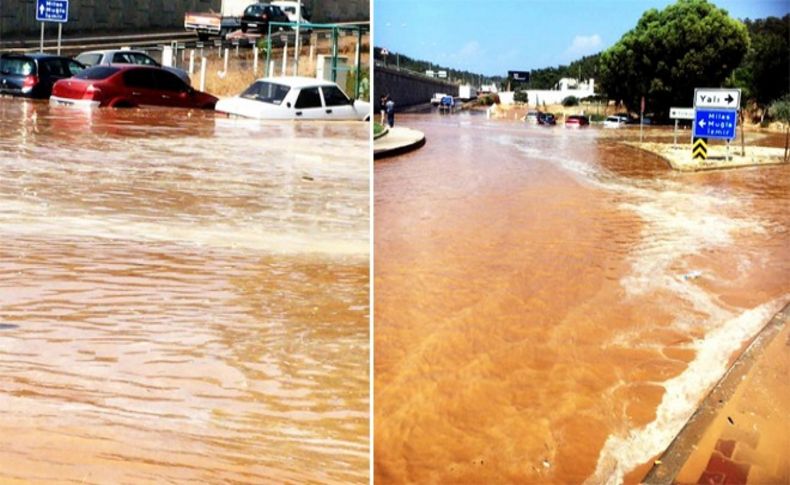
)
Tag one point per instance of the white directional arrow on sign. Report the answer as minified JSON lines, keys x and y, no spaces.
{"x":702,"y":123}
{"x":717,"y":98}
{"x":41,"y":9}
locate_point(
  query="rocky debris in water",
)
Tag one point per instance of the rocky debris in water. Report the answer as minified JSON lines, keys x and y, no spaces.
{"x":546,"y":463}
{"x":307,"y":177}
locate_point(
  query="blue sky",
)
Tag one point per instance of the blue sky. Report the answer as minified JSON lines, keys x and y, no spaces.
{"x":493,"y":36}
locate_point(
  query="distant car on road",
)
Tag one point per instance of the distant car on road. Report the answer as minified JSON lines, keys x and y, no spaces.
{"x":128,"y":86}
{"x":33,"y":75}
{"x":576,"y":121}
{"x":257,"y":16}
{"x":646,"y":120}
{"x":546,"y":119}
{"x":615,"y":121}
{"x":295,"y":98}
{"x":447,"y":103}
{"x":117,"y":56}
{"x":436,"y":100}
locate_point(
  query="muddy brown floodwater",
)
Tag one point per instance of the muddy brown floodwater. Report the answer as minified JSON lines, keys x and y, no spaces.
{"x":551,"y":305}
{"x":183,"y":299}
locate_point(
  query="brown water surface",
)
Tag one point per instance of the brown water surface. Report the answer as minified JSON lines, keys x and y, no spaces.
{"x":551,"y":305}
{"x":183,"y":299}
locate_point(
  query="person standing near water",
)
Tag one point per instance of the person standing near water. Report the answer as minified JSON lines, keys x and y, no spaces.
{"x":383,"y":107}
{"x":390,"y":107}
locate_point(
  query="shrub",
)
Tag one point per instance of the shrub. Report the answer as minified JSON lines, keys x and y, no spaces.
{"x":521,"y":97}
{"x":570,"y":101}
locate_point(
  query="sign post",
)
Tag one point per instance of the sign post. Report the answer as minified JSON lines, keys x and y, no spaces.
{"x":680,"y":114}
{"x":641,"y":118}
{"x":52,"y":11}
{"x":716,"y":115}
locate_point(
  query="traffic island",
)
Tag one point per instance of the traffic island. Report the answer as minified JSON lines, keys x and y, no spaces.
{"x":680,"y":157}
{"x":397,"y":141}
{"x":739,"y":432}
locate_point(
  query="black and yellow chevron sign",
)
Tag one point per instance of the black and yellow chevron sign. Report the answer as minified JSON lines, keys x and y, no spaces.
{"x":699,"y":149}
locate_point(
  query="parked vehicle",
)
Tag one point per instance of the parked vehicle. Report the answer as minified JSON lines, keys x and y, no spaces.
{"x":646,"y":120}
{"x":290,"y":8}
{"x":295,"y":98}
{"x":216,"y":24}
{"x":257,"y":16}
{"x":436,"y":100}
{"x":32,"y":75}
{"x":447,"y":103}
{"x":532,"y":117}
{"x":465,"y":92}
{"x":576,"y":121}
{"x":127,"y":86}
{"x":615,"y":121}
{"x":117,"y":56}
{"x":547,"y":119}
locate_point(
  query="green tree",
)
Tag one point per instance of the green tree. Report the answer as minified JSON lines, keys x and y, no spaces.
{"x":689,"y":44}
{"x":764,"y":74}
{"x":780,"y":111}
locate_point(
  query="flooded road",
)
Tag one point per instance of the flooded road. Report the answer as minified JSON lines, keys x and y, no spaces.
{"x":551,"y":305}
{"x":182,"y":298}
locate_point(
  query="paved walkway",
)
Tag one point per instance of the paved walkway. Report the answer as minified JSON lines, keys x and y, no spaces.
{"x":741,"y":432}
{"x":397,"y":141}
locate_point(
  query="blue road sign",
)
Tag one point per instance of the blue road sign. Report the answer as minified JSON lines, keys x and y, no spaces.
{"x":52,"y":11}
{"x":715,"y":123}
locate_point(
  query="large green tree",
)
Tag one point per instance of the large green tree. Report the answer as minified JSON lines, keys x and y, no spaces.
{"x":689,"y":44}
{"x":764,"y":74}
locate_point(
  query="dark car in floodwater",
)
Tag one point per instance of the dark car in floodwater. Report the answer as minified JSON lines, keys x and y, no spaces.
{"x":257,"y":16}
{"x":33,"y":75}
{"x":546,"y":119}
{"x":129,"y":86}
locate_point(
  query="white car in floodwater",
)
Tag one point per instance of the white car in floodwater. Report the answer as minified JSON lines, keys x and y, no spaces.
{"x":294,"y":98}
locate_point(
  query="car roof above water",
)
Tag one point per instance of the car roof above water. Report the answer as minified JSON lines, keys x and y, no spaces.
{"x":297,"y":81}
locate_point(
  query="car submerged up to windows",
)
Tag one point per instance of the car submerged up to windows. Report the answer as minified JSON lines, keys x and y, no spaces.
{"x":294,"y":98}
{"x":257,"y":16}
{"x":128,"y":86}
{"x":121,"y":56}
{"x":615,"y":121}
{"x":33,"y":75}
{"x":576,"y":121}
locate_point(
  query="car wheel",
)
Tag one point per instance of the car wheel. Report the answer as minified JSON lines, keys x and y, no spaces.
{"x":244,"y":27}
{"x":122,"y":103}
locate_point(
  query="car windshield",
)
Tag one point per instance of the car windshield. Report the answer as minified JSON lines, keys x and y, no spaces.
{"x":94,"y":73}
{"x":266,"y":92}
{"x":253,"y":10}
{"x":17,"y":66}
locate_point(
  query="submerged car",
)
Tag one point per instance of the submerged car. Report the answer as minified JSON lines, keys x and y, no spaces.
{"x":436,"y":100}
{"x":120,"y":56}
{"x":33,"y":75}
{"x":128,"y":86}
{"x":576,"y":121}
{"x":615,"y":121}
{"x":547,"y":119}
{"x":295,"y":98}
{"x":532,"y":117}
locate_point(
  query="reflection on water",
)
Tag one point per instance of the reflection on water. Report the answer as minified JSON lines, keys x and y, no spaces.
{"x":551,"y":305}
{"x":182,"y":299}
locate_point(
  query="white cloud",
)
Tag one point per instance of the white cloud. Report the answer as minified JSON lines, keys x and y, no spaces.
{"x":583,"y":45}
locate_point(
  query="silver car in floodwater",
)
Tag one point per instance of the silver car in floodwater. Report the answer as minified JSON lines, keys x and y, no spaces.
{"x":121,"y":56}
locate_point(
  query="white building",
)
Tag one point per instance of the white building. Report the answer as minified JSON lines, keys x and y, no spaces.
{"x":564,"y":88}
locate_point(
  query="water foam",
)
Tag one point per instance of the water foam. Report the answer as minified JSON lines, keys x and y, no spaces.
{"x":679,"y":221}
{"x":622,"y":454}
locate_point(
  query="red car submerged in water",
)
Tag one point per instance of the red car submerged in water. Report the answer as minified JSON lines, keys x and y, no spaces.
{"x":128,"y":86}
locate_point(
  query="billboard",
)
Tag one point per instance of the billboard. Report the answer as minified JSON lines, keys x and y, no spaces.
{"x":520,"y":76}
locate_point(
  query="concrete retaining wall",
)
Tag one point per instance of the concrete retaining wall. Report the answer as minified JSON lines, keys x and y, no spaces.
{"x":18,"y":17}
{"x":407,"y":89}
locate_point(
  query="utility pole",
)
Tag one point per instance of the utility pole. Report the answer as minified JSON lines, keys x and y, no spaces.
{"x":297,"y":46}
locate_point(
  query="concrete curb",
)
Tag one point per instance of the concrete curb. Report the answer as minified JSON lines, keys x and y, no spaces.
{"x":699,"y":168}
{"x":677,"y":454}
{"x":400,"y":148}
